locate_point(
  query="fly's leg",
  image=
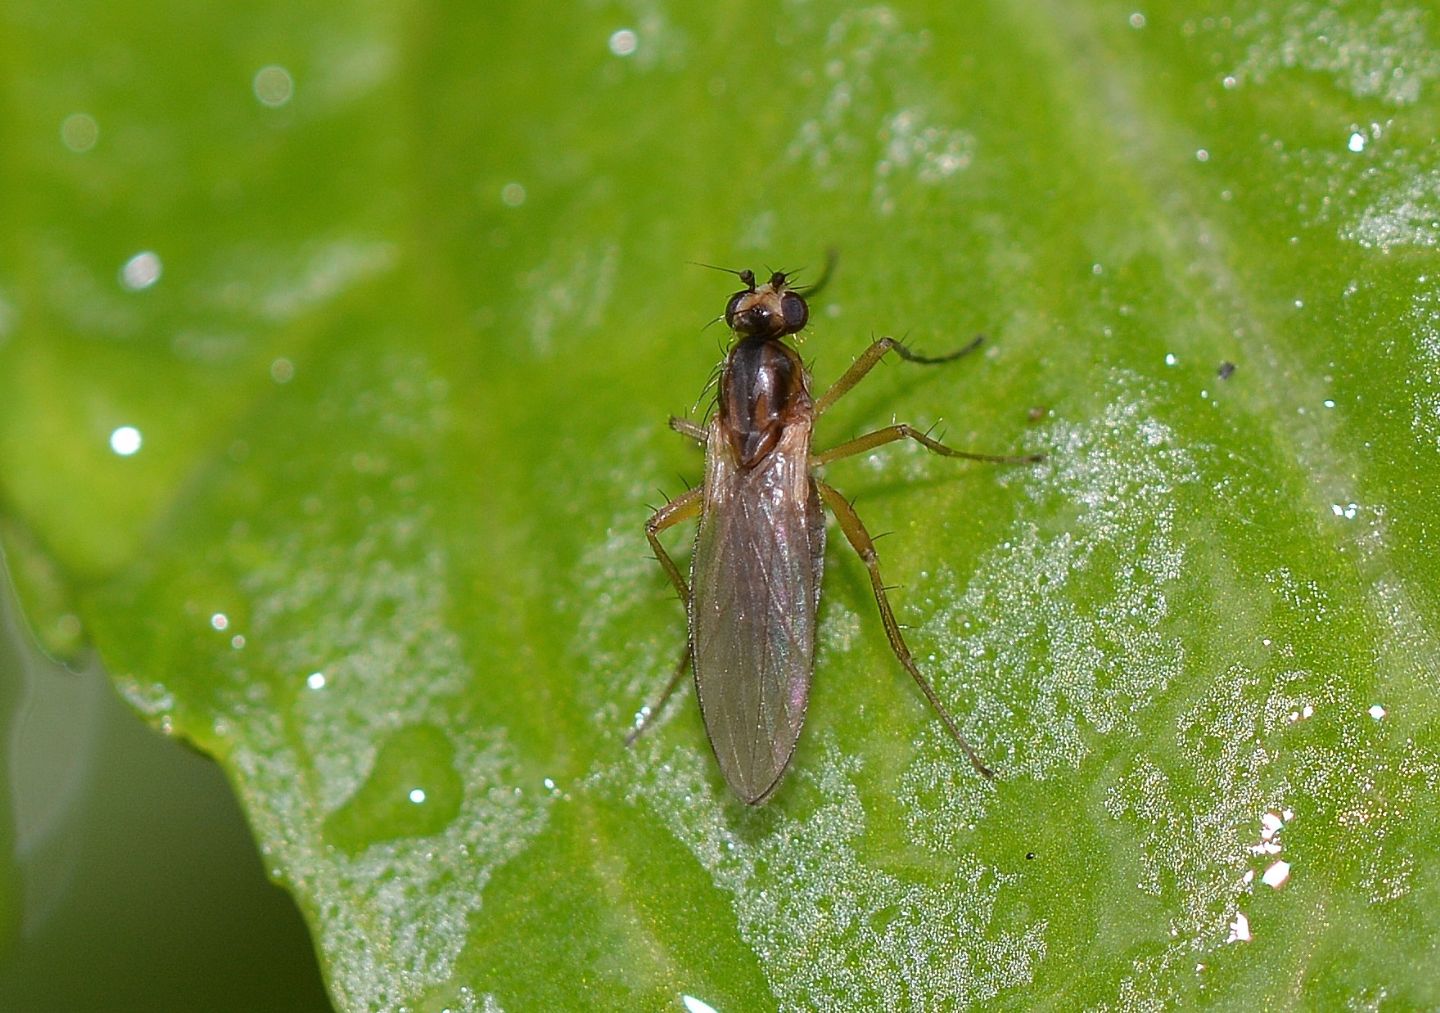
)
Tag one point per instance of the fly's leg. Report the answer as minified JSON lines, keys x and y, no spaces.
{"x":874,"y":354}
{"x":648,"y":712}
{"x":890,"y":434}
{"x":679,"y":509}
{"x":864,"y":546}
{"x":687,"y":428}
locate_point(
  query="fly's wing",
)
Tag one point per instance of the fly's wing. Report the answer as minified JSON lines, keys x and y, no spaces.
{"x":755,"y":583}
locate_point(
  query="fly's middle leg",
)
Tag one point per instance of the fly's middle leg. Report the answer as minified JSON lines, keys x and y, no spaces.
{"x":890,"y":434}
{"x":864,"y":546}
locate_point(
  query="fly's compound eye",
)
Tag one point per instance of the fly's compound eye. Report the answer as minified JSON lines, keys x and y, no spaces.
{"x":732,"y":308}
{"x":795,"y":311}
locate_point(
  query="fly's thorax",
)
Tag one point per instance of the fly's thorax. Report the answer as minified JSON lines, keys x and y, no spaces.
{"x":763,"y":389}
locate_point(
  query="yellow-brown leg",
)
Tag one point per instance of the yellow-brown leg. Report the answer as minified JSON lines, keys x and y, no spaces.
{"x":648,"y":712}
{"x":890,"y":434}
{"x":864,"y":546}
{"x":681,"y":508}
{"x":687,"y":428}
{"x":874,"y":354}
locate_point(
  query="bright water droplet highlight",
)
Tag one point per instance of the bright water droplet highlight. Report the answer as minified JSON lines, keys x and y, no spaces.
{"x":125,"y":441}
{"x":624,"y":42}
{"x":141,"y":271}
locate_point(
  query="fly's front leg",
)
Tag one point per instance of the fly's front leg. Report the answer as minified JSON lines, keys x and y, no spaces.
{"x":864,"y":546}
{"x":890,"y":434}
{"x":874,"y":354}
{"x":687,"y":428}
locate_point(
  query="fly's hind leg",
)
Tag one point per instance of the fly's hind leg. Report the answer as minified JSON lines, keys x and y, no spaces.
{"x":864,"y":546}
{"x":681,"y":508}
{"x":648,"y":712}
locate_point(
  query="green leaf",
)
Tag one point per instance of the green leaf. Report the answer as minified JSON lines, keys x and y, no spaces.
{"x":422,"y":308}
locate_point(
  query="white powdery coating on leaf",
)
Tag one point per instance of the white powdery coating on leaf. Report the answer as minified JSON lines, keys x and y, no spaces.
{"x":619,"y":586}
{"x":1406,"y":216}
{"x":1018,"y":630}
{"x":373,"y":613}
{"x":1200,"y":854}
{"x":870,"y":66}
{"x":830,"y":931}
{"x":1423,"y":381}
{"x":1386,"y":55}
{"x":569,"y":293}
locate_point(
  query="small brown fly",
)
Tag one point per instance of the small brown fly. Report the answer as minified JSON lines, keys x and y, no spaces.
{"x":759,"y":551}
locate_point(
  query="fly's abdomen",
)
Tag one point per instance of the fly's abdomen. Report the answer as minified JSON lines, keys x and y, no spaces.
{"x":754,"y":583}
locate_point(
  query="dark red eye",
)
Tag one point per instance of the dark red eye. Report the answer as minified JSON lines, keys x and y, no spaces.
{"x":732,"y":307}
{"x":796,"y":312}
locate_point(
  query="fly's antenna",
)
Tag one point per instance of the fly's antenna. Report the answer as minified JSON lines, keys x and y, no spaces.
{"x":747,"y":277}
{"x":726,"y":270}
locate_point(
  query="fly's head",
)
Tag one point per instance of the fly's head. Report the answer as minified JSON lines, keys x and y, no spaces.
{"x":769,"y":311}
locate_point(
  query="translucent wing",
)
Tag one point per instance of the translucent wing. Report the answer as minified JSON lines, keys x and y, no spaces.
{"x":755,"y":586}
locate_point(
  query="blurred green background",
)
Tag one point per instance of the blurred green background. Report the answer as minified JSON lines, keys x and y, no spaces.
{"x":336,"y":346}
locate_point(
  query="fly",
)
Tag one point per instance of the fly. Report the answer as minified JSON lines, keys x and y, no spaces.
{"x":754,"y":587}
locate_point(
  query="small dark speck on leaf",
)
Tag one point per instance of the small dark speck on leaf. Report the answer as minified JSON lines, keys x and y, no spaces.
{"x":1226,"y":368}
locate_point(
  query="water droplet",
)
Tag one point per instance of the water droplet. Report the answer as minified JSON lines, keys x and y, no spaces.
{"x":125,"y":441}
{"x":1356,"y":142}
{"x":512,"y":195}
{"x":79,"y":132}
{"x":273,"y":86}
{"x":413,"y":790}
{"x":1376,"y":711}
{"x":141,"y":271}
{"x":219,"y":621}
{"x":1137,"y":20}
{"x":315,"y":680}
{"x":624,"y":42}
